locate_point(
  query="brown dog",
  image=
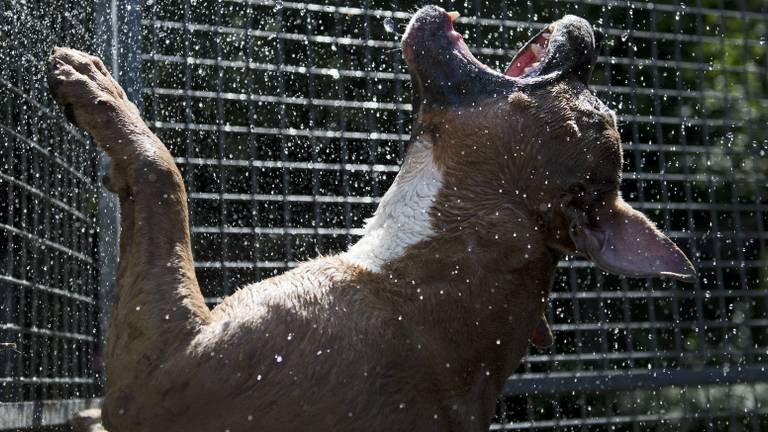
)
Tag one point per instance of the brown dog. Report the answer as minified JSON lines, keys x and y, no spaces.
{"x":417,"y":326}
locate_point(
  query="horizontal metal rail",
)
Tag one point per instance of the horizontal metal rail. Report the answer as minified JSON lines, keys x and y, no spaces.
{"x":36,"y":414}
{"x":47,"y":289}
{"x":568,"y":382}
{"x":617,"y":420}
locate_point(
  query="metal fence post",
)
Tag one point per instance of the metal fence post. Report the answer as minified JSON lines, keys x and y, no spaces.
{"x":118,"y":39}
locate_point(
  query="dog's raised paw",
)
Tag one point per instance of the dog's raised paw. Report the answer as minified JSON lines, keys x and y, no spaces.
{"x":82,"y":86}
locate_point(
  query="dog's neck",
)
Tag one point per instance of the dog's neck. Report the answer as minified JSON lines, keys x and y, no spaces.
{"x":402,"y":218}
{"x":458,"y":287}
{"x":470,"y":314}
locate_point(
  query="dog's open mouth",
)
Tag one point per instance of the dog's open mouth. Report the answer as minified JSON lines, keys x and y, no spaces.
{"x":527,"y":62}
{"x":458,"y":39}
{"x":530,"y":59}
{"x":567,"y":45}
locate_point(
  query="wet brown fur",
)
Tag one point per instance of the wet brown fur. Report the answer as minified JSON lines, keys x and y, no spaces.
{"x":425,"y":345}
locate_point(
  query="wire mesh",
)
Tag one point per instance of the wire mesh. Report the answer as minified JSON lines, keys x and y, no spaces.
{"x":289,"y":121}
{"x":48,"y":252}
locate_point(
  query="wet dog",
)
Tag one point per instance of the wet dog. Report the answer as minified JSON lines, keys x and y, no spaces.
{"x":416,"y":326}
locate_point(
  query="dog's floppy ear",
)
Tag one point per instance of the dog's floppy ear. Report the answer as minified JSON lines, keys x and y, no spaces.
{"x":621,"y":240}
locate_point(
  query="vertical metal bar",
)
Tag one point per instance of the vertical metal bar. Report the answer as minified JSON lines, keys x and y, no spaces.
{"x":283,"y":126}
{"x":373,"y":146}
{"x":45,"y":312}
{"x":402,"y":117}
{"x":28,"y":367}
{"x":744,"y":281}
{"x":317,"y":217}
{"x":108,"y":213}
{"x":118,"y":41}
{"x":675,"y":290}
{"x":700,"y":328}
{"x":635,"y":132}
{"x":607,"y":400}
{"x":657,"y":84}
{"x":344,"y":157}
{"x":737,"y":224}
{"x":189,"y":146}
{"x":10,"y":301}
{"x":253,"y":150}
{"x":221,"y":146}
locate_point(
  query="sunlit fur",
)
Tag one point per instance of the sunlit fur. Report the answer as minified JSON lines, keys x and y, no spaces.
{"x":402,"y":218}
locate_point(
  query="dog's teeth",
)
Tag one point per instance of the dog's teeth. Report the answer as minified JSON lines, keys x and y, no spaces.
{"x":546,"y":35}
{"x":531,"y":67}
{"x":454,"y":16}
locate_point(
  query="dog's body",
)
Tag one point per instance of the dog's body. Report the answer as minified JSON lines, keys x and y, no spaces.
{"x":336,"y":341}
{"x":427,"y":342}
{"x":417,"y":326}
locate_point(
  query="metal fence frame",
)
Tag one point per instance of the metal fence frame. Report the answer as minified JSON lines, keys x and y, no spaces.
{"x":608,"y":316}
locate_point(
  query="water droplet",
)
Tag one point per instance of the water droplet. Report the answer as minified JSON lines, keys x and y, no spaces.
{"x":625,"y":36}
{"x":389,"y":25}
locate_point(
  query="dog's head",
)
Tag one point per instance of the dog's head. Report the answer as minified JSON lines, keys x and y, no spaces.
{"x":531,"y":142}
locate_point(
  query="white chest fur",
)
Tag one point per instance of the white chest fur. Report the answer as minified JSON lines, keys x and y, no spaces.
{"x":402,"y":218}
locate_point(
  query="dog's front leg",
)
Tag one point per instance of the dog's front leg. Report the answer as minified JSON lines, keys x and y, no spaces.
{"x":157,"y":298}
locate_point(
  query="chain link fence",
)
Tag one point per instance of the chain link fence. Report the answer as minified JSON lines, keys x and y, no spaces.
{"x":289,"y":121}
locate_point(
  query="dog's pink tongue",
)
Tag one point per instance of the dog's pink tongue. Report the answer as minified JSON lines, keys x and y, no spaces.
{"x":542,"y":334}
{"x":518,"y":65}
